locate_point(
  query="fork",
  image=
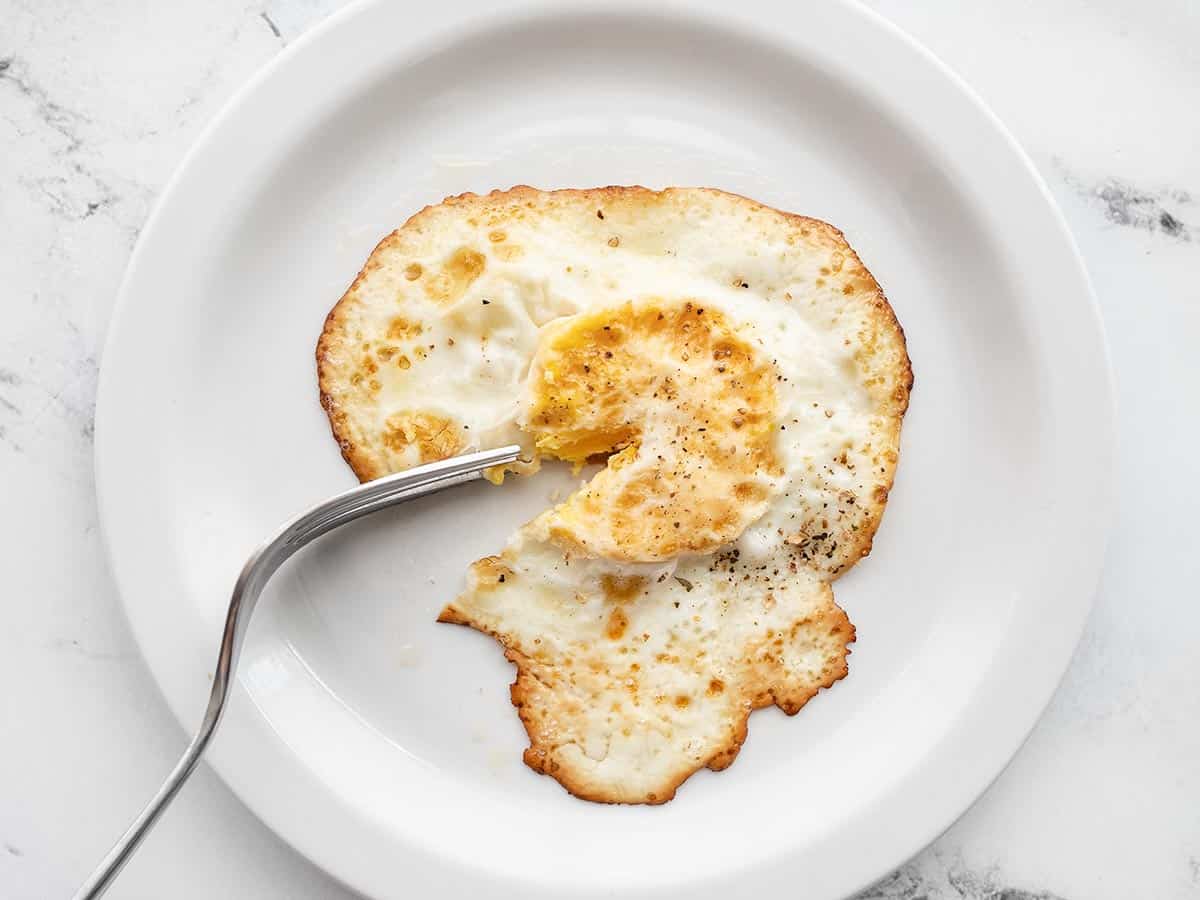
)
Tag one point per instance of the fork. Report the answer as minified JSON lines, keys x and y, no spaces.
{"x":262,"y":564}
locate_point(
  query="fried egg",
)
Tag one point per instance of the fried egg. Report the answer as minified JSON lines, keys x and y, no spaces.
{"x":743,"y":378}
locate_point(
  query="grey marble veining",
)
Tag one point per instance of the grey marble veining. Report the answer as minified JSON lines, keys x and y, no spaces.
{"x":1168,"y":211}
{"x":949,"y":882}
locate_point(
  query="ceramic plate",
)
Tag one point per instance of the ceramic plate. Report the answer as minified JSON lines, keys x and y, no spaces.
{"x":382,"y":745}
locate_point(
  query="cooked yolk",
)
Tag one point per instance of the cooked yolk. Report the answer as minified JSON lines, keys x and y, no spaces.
{"x":684,"y":409}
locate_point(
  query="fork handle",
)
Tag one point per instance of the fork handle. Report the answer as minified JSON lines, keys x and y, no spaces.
{"x":320,"y":519}
{"x":108,"y":869}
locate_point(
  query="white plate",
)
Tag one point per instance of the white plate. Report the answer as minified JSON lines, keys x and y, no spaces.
{"x":383,"y":746}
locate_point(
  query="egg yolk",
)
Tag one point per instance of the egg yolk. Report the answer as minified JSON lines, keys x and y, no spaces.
{"x":684,"y":410}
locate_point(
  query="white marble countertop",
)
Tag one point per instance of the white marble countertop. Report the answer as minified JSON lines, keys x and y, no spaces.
{"x":98,"y":102}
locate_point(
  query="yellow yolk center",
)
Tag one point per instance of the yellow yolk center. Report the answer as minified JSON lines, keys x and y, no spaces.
{"x":685,"y":407}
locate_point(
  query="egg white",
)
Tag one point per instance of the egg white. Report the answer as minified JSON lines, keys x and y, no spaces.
{"x":432,"y":352}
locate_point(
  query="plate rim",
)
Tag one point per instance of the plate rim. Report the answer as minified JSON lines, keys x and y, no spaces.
{"x":259,"y":801}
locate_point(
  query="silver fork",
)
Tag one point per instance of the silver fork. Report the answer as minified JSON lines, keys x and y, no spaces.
{"x":262,"y":564}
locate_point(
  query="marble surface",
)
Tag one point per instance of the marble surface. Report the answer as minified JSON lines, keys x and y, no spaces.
{"x":99,"y":100}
